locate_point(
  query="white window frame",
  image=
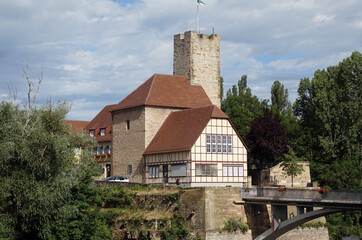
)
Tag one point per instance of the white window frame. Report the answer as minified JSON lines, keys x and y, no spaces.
{"x":103,"y":131}
{"x":91,"y":133}
{"x":154,"y":171}
{"x":233,"y":170}
{"x":208,"y":143}
{"x":213,"y":143}
{"x":230,"y":144}
{"x":104,"y":149}
{"x":219,"y":143}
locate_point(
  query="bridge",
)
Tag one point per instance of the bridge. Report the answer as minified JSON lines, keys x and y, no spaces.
{"x":305,"y":200}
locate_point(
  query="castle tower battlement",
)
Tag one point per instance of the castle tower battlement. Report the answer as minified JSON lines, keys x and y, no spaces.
{"x":197,"y":57}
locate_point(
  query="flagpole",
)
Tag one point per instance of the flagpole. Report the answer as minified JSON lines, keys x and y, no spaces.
{"x":197,"y":19}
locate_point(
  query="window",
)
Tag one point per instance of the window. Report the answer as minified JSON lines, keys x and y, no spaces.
{"x":99,"y":150}
{"x":178,"y":170}
{"x":208,"y":143}
{"x":213,"y":137}
{"x":233,"y":170}
{"x":224,"y":144}
{"x":110,"y":148}
{"x":230,"y":144}
{"x":129,"y":169}
{"x":103,"y":131}
{"x":128,"y":123}
{"x":105,"y":149}
{"x":91,"y":133}
{"x":219,"y":144}
{"x":154,"y":171}
{"x":206,"y":170}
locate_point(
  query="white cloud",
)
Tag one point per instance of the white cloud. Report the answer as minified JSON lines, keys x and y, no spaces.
{"x":100,"y":51}
{"x":322,"y":18}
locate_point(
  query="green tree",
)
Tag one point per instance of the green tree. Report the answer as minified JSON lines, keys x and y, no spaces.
{"x":279,"y":98}
{"x":329,"y":108}
{"x":329,"y":111}
{"x":241,"y":106}
{"x":290,"y":164}
{"x":38,"y":171}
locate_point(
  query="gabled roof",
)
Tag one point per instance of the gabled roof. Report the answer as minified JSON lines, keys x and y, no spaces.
{"x":76,"y":126}
{"x":166,"y":91}
{"x":102,"y":120}
{"x":181,"y":129}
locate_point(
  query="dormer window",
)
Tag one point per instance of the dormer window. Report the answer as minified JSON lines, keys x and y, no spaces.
{"x":103,"y":131}
{"x":91,"y":133}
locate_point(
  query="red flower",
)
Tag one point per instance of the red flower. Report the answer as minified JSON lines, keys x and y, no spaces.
{"x":323,"y":191}
{"x":282,"y":189}
{"x":108,"y":155}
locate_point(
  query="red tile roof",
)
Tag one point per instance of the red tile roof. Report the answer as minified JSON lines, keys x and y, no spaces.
{"x":102,"y":120}
{"x":181,"y":129}
{"x":76,"y":126}
{"x":166,"y":91}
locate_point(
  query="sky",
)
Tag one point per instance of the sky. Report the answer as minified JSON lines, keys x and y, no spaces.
{"x":95,"y":52}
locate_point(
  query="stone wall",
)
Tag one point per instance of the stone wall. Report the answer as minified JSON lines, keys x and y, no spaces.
{"x":276,"y":176}
{"x":197,"y":56}
{"x":306,"y":233}
{"x":128,"y":145}
{"x":206,"y":209}
{"x":154,"y":118}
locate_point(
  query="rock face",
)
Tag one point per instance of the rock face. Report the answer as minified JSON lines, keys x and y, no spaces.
{"x":203,"y":212}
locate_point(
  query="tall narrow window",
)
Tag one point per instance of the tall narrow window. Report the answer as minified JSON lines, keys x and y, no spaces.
{"x":213,"y":139}
{"x":105,"y":149}
{"x":219,"y":143}
{"x":224,"y":144}
{"x":129,"y":170}
{"x":208,"y":143}
{"x":230,"y":144}
{"x":99,"y":149}
{"x":110,"y":148}
{"x":128,"y":125}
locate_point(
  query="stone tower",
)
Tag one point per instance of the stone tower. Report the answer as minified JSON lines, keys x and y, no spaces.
{"x":197,"y":57}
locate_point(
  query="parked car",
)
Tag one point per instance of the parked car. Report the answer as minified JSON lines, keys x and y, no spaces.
{"x":117,"y":179}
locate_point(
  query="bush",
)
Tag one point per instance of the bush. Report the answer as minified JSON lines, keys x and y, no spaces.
{"x":232,"y":225}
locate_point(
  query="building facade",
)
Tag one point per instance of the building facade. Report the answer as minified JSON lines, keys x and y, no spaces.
{"x":170,"y":129}
{"x":197,"y":147}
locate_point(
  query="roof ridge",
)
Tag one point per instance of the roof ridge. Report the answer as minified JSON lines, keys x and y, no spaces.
{"x":150,"y":89}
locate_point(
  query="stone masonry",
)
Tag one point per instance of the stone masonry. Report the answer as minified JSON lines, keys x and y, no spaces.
{"x":129,"y":144}
{"x":197,"y":57}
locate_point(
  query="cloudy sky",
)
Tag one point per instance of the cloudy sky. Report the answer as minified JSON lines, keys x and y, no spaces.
{"x":95,"y":52}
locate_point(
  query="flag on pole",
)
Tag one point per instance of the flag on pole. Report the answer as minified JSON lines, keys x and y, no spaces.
{"x":199,"y":2}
